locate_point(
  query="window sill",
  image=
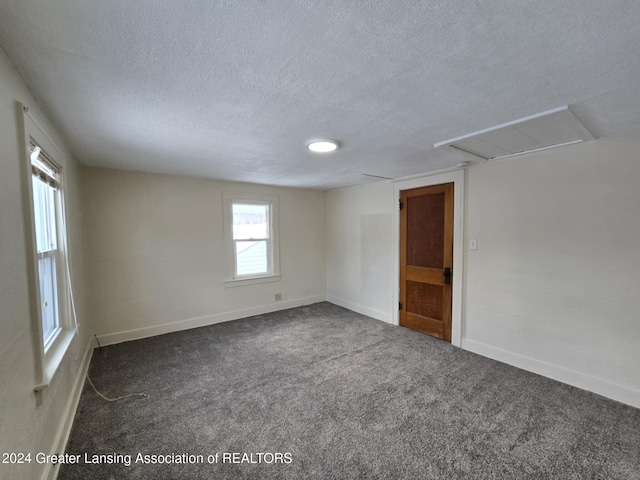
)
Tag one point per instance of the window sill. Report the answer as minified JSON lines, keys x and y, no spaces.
{"x":54,"y":356}
{"x":251,"y":281}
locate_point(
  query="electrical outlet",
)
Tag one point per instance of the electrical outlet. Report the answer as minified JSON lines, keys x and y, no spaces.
{"x":278,"y":297}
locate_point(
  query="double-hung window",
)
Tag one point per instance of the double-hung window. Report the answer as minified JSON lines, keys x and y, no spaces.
{"x":251,"y":237}
{"x":45,"y":183}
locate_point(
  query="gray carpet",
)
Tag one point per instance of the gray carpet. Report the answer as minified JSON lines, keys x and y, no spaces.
{"x":348,"y":397}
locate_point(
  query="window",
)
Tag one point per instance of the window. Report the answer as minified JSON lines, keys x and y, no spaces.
{"x":45,"y":183}
{"x":251,"y":231}
{"x":45,"y":189}
{"x":54,"y":323}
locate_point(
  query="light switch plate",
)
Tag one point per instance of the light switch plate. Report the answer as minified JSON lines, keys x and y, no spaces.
{"x":473,"y":244}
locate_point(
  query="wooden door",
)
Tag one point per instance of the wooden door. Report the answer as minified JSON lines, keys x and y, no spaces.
{"x":426,"y":259}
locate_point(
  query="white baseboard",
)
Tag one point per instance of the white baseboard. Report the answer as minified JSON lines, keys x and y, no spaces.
{"x":620,"y":393}
{"x":356,"y":307}
{"x":64,"y":430}
{"x":144,"y":332}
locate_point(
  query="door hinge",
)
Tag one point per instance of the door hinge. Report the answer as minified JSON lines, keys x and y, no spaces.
{"x":401,"y":205}
{"x":399,"y":305}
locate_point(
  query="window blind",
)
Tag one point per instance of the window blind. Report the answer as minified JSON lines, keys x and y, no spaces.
{"x":43,"y":168}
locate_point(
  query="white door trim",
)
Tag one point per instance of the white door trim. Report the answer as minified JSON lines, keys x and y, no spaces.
{"x":457,"y":177}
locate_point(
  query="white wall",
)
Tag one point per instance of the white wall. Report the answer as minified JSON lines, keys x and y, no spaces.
{"x":554,"y":284}
{"x":359,"y":248}
{"x":156,"y":259}
{"x":553,"y":287}
{"x":25,"y":426}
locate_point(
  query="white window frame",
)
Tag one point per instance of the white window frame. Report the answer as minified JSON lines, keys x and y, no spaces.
{"x":273,"y":249}
{"x":48,"y":355}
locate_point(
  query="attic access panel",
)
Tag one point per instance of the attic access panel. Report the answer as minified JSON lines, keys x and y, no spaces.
{"x":553,"y":128}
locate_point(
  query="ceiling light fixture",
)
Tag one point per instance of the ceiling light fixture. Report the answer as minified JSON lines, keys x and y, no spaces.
{"x":323,"y":145}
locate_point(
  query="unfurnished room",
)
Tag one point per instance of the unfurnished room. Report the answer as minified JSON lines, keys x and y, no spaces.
{"x":324,"y":240}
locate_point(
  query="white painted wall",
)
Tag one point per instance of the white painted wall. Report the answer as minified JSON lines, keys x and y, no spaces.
{"x":554,"y":284}
{"x":553,"y":287}
{"x":25,"y":426}
{"x":156,"y":256}
{"x":360,"y":249}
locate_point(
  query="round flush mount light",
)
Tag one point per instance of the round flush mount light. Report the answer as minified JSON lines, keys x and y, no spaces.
{"x":323,"y":145}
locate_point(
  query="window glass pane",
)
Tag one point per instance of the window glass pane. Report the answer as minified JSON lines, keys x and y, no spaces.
{"x":48,"y":295}
{"x":250,"y":221}
{"x":251,"y":258}
{"x":44,"y":209}
{"x":44,"y":212}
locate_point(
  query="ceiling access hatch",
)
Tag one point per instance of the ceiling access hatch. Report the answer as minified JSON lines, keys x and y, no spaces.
{"x":550,"y":129}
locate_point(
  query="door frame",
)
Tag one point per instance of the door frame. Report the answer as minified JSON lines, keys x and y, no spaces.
{"x":457,"y":177}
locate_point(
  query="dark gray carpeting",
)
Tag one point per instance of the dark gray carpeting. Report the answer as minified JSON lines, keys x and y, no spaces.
{"x":348,"y":397}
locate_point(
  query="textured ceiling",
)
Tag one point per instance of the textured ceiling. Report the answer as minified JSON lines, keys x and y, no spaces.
{"x":233,"y":89}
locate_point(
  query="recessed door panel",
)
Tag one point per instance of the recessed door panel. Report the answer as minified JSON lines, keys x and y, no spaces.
{"x":425,"y":300}
{"x":425,"y":223}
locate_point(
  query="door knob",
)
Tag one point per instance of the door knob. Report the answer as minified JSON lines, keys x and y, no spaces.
{"x":447,"y":276}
